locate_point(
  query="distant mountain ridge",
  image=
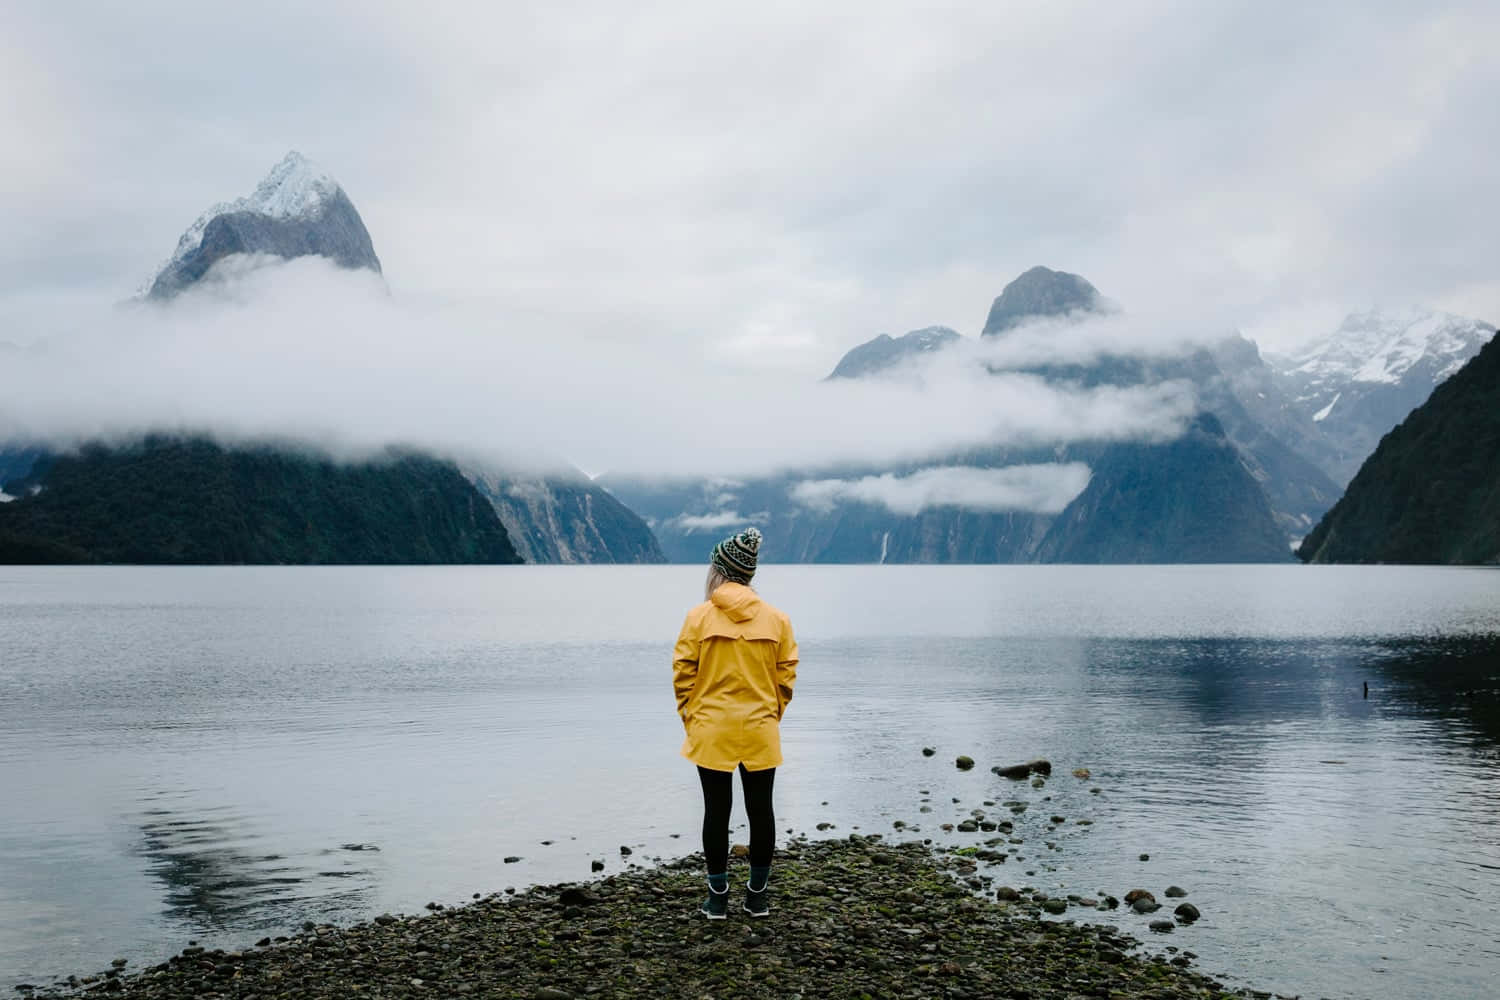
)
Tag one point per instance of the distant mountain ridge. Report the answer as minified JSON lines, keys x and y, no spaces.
{"x":886,"y":352}
{"x":1232,"y":380}
{"x":1193,"y":499}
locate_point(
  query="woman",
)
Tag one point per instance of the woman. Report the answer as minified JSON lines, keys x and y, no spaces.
{"x":733,"y":671}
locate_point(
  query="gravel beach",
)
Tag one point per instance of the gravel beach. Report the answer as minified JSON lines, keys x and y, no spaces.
{"x":850,"y":918}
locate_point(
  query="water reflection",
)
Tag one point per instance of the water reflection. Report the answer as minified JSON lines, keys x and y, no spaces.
{"x":215,"y":879}
{"x":1451,"y":679}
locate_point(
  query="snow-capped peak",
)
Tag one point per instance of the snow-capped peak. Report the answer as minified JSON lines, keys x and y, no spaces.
{"x":295,"y":187}
{"x":1382,"y":346}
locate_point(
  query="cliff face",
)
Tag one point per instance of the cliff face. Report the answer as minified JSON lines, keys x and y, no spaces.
{"x":565,"y":521}
{"x":1431,"y":491}
{"x":191,"y":501}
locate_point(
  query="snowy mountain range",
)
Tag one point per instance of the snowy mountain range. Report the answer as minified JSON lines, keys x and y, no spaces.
{"x":1365,"y":377}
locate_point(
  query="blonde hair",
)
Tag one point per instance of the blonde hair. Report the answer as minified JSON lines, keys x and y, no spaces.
{"x":716,"y":579}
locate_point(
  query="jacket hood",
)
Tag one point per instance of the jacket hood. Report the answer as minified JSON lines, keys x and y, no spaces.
{"x":737,"y":601}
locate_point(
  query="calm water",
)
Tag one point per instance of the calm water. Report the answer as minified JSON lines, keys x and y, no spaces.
{"x":221,"y":753}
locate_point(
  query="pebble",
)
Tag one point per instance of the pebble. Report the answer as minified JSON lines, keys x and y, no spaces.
{"x":964,"y":762}
{"x":1176,"y":892}
{"x":852,"y":917}
{"x":596,"y":865}
{"x":1187,"y":913}
{"x":928,"y":751}
{"x":512,"y":859}
{"x":1163,"y":926}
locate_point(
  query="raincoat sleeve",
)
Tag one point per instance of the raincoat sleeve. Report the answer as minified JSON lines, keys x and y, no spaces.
{"x":685,"y":664}
{"x":786,"y":666}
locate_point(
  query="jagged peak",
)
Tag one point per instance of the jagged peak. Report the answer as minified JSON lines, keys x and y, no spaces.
{"x":295,"y":187}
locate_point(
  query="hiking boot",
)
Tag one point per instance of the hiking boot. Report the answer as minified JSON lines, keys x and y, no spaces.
{"x":757,"y":904}
{"x":716,"y":906}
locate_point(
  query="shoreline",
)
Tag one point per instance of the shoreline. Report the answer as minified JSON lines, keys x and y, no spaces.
{"x":850,"y":918}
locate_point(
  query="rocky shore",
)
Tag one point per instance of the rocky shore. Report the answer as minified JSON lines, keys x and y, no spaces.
{"x":856,"y":917}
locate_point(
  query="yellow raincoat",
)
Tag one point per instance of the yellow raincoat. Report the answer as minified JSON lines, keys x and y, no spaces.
{"x":733,"y":671}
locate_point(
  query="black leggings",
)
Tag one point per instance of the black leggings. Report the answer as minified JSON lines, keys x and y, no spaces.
{"x":718,"y":799}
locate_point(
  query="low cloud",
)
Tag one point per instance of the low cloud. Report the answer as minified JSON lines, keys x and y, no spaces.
{"x":690,"y":523}
{"x":304,"y":351}
{"x":1043,"y":489}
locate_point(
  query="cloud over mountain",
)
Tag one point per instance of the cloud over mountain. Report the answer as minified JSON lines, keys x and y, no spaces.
{"x":1043,"y":489}
{"x":304,"y":350}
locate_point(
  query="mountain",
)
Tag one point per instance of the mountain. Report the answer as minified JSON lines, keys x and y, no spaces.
{"x":1365,"y":377}
{"x":688,"y":517}
{"x":1281,"y":446}
{"x":886,"y":352}
{"x":1192,"y":500}
{"x":1040,"y":293}
{"x":1227,"y":380}
{"x":299,"y":210}
{"x":1430,"y":493}
{"x":1186,"y":501}
{"x":192,"y":501}
{"x":562,"y":520}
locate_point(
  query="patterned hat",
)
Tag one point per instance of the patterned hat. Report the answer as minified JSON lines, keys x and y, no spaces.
{"x":735,"y":556}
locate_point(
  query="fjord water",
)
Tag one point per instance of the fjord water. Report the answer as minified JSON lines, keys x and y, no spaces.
{"x":217,"y":754}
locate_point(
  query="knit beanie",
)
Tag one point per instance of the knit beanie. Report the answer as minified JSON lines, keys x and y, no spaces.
{"x":735,"y":556}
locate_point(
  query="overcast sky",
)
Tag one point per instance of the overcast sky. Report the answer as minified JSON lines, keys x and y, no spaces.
{"x":764,"y":185}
